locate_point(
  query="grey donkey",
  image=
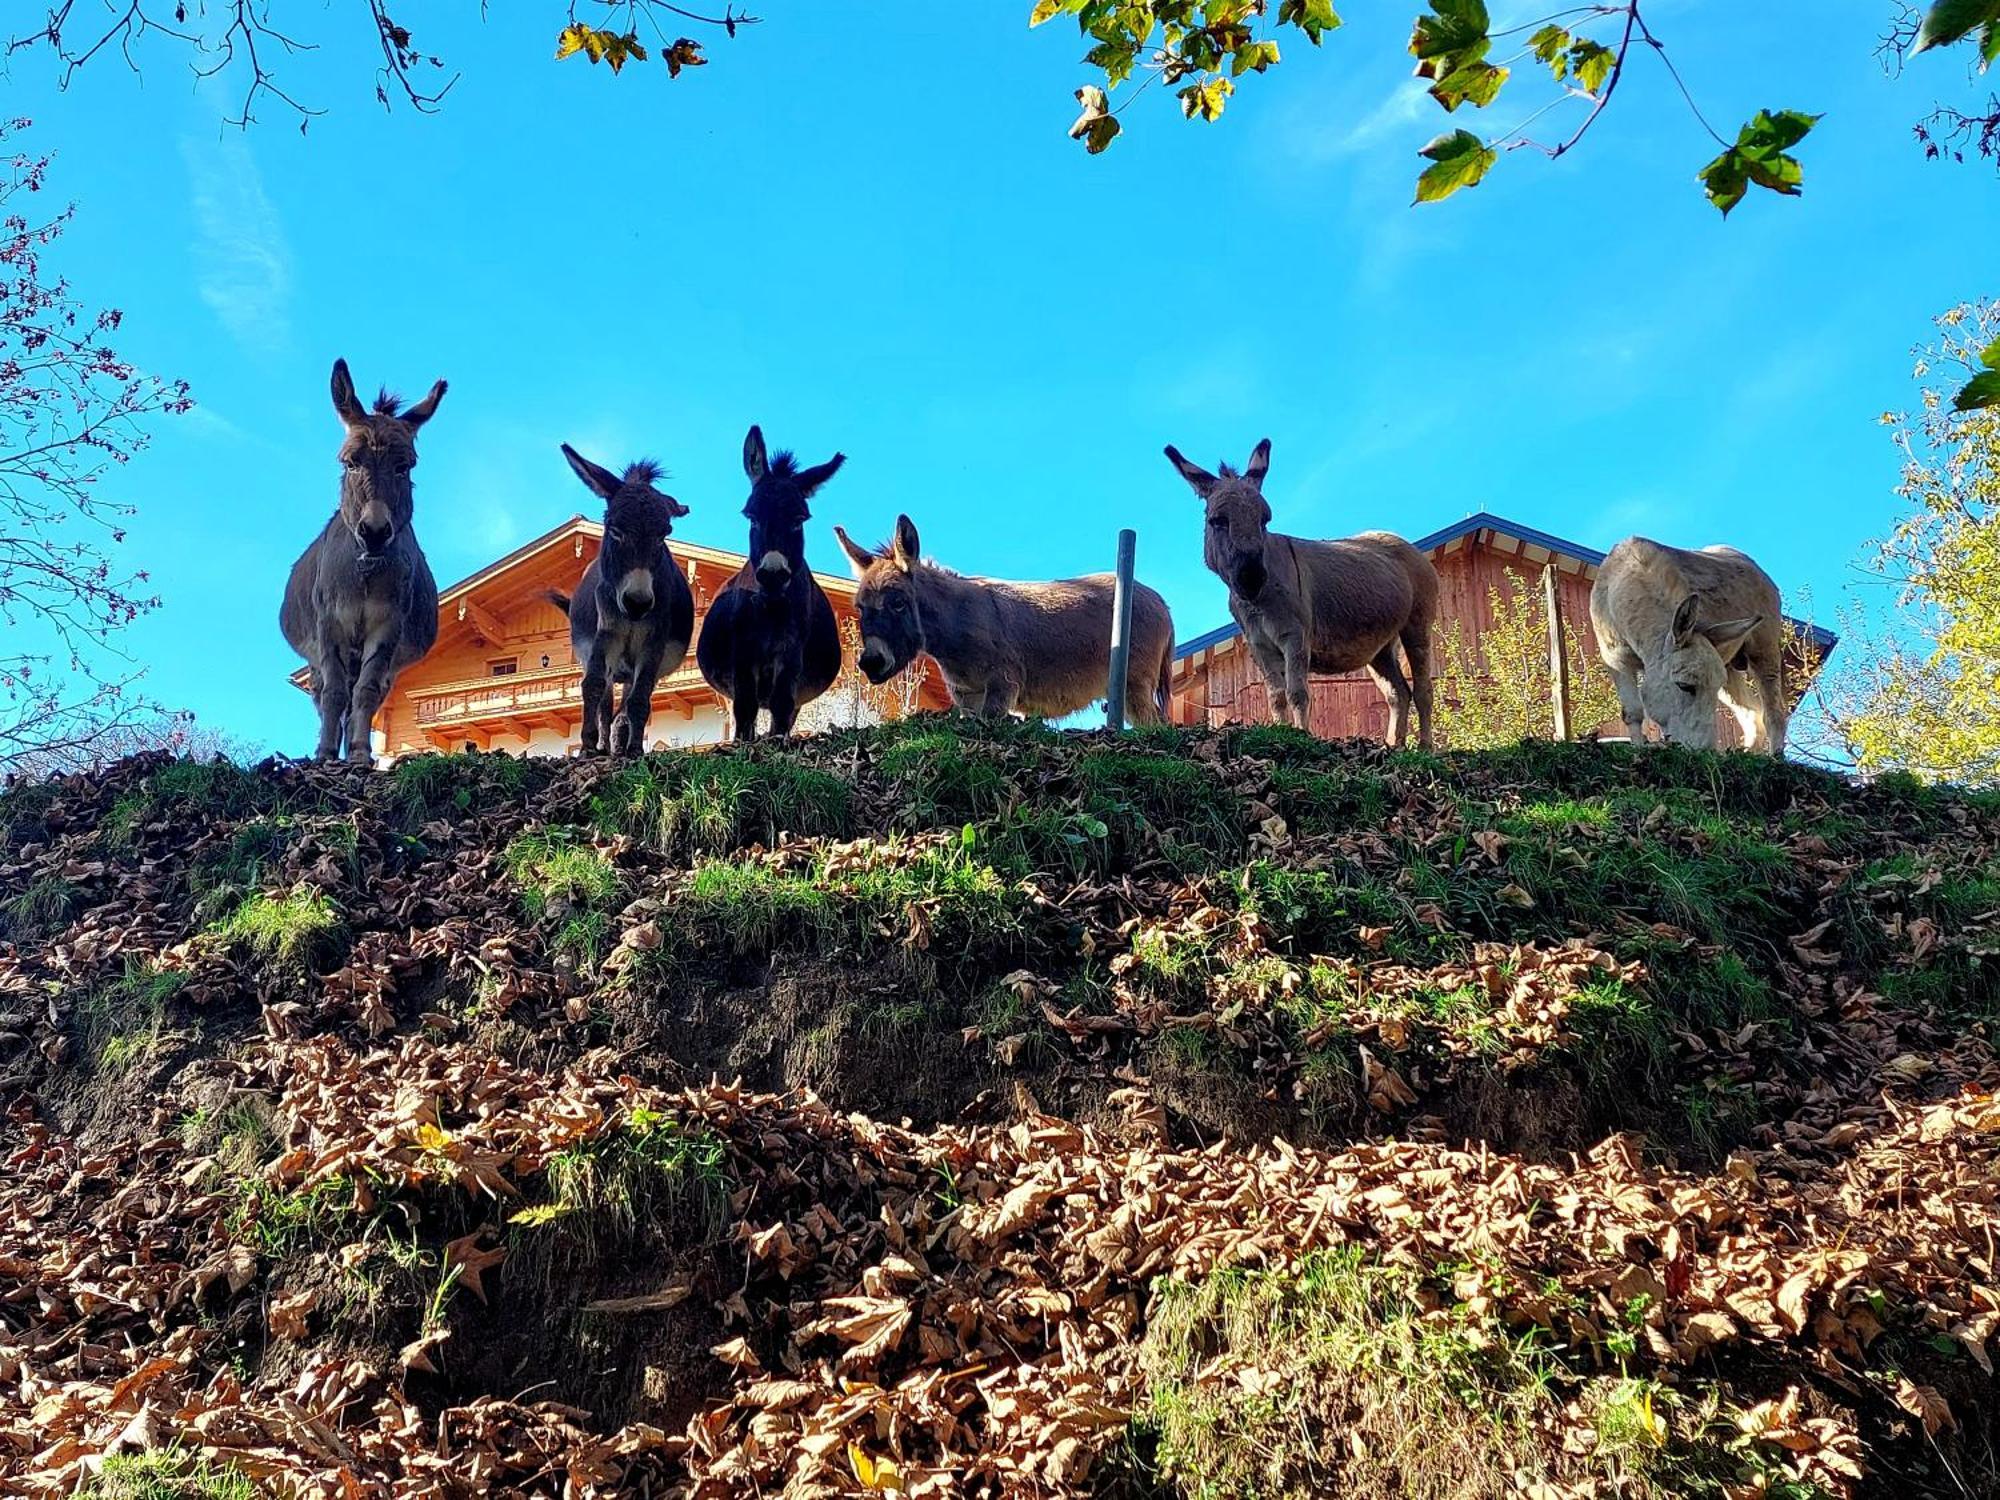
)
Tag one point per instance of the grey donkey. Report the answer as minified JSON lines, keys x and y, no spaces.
{"x":1042,"y":649}
{"x":633,"y":614}
{"x":1680,"y":630}
{"x":361,"y":604}
{"x":1308,"y":606}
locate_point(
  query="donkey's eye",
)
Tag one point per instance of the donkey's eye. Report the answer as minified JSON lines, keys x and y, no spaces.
{"x":1218,"y":522}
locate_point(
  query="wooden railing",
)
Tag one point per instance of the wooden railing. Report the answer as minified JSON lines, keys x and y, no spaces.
{"x":516,"y":694}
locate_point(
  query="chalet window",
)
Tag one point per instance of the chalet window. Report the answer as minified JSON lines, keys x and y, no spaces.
{"x":506,"y":667}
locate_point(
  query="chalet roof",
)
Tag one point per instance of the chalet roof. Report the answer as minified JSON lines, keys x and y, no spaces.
{"x":1582,"y":559}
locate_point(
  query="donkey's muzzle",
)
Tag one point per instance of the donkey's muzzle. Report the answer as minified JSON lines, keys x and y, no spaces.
{"x":636,"y":606}
{"x":374,"y":540}
{"x":773,"y":571}
{"x":878,"y":669}
{"x":1250,"y":579}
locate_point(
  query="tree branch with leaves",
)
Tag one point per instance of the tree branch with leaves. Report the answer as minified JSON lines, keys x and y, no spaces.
{"x":72,"y":413}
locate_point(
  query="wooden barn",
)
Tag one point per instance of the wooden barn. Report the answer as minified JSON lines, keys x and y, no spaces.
{"x":1216,"y":681}
{"x":502,"y":676}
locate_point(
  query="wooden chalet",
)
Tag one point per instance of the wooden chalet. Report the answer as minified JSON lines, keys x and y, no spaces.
{"x":1216,"y":681}
{"x":502,"y":676}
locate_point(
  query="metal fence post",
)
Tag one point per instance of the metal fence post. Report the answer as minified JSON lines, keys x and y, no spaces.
{"x":1121,"y":631}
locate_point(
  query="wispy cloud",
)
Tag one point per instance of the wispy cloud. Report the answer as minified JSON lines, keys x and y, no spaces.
{"x":1394,"y":118}
{"x":244,"y":266}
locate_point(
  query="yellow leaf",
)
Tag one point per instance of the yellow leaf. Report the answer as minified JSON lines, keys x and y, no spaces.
{"x":574,"y":38}
{"x":1045,"y":10}
{"x":430,"y":1138}
{"x":880,"y":1475}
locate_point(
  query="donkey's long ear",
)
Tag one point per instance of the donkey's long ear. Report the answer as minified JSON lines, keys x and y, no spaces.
{"x":755,"y":464}
{"x":345,"y":401}
{"x":904,"y":548}
{"x":1722,"y":632}
{"x":1260,"y":463}
{"x":811,"y":479}
{"x":1684,"y":619}
{"x":858,"y":555}
{"x":600,"y":482}
{"x":425,"y":409}
{"x":1193,"y":473}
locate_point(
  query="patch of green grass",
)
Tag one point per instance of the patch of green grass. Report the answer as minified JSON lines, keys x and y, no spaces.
{"x":24,"y":811}
{"x":1330,"y":801}
{"x":1182,"y":801}
{"x":239,"y":865}
{"x":1171,"y":958}
{"x":944,"y":780}
{"x":171,"y":1473}
{"x":1045,"y":838}
{"x":1283,"y":743}
{"x":751,"y":907}
{"x":553,"y":868}
{"x":302,"y":931}
{"x":213,"y":788}
{"x":119,"y":1023}
{"x":1257,"y":1381}
{"x":608,"y":1192}
{"x":1315,"y":911}
{"x":707,"y":804}
{"x":45,"y":907}
{"x":278,"y":1223}
{"x":422,"y":788}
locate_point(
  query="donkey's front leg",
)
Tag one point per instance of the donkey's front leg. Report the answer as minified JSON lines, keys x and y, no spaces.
{"x":628,"y":730}
{"x":1297,"y":688}
{"x":371,"y":686}
{"x":744,"y":707}
{"x":784,"y":703}
{"x":1271,"y":666}
{"x":1630,"y":705}
{"x":596,"y":695}
{"x":332,"y":685}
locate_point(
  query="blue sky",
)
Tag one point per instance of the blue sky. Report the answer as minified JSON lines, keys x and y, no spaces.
{"x":881,"y":241}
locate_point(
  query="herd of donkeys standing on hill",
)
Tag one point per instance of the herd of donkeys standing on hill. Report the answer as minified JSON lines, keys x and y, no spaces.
{"x":1678,"y":630}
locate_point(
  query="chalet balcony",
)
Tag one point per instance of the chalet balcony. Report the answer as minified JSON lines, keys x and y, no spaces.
{"x":551,"y":695}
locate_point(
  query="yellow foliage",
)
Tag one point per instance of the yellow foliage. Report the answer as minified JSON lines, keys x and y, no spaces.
{"x":1927,"y":699}
{"x":1498,"y":691}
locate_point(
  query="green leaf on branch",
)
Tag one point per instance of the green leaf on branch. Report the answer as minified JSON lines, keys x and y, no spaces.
{"x":1950,"y":21}
{"x":1096,"y":127}
{"x":1591,"y":63}
{"x":1048,"y":10}
{"x":1313,"y":17}
{"x":1452,"y":37}
{"x":1459,"y":160}
{"x":1983,"y":390}
{"x":1476,"y":83}
{"x":1760,"y":158}
{"x":1551,"y":47}
{"x":1207,"y":99}
{"x":1254,"y":58}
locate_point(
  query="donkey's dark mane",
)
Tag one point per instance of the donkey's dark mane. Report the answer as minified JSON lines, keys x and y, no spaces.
{"x":387,"y":403}
{"x":645,"y":471}
{"x":1227,"y":471}
{"x":884,"y":551}
{"x":784,"y":465}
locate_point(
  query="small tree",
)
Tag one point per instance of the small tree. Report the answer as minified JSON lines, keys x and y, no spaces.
{"x":1499,"y":690}
{"x":71,"y":411}
{"x":1927,"y":700}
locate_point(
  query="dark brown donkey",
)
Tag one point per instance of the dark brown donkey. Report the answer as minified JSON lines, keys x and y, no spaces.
{"x":361,"y":604}
{"x":770,"y":640}
{"x":633,"y":613}
{"x":1318,"y":606}
{"x":1041,"y":649}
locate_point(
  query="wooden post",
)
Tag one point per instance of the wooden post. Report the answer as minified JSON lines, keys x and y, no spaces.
{"x":1121,"y":631}
{"x":1558,"y":658}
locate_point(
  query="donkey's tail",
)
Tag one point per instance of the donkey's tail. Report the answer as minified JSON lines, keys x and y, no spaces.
{"x":558,"y":598}
{"x":1166,"y":689}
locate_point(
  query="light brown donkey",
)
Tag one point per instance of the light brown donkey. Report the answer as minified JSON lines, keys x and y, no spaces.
{"x":1041,"y":649}
{"x":1319,"y":606}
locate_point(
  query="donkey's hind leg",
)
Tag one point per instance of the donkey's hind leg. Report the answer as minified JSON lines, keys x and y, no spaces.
{"x":1388,"y":675}
{"x":1417,"y":647}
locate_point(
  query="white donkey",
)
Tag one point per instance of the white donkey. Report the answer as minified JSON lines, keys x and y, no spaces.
{"x":1681,"y":629}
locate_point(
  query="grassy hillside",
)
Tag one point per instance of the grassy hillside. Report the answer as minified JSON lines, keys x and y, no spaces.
{"x":951,"y":1111}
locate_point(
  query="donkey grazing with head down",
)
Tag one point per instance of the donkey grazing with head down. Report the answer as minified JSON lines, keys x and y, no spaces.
{"x":633,"y":614}
{"x":361,"y":604}
{"x":1041,"y":649}
{"x":770,"y":641}
{"x":1308,"y":607}
{"x":1680,"y":630}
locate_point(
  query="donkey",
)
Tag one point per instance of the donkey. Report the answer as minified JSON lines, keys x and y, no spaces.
{"x":770,"y":639}
{"x":361,"y":604}
{"x":1680,"y":630}
{"x":633,"y":614}
{"x":1042,"y":649}
{"x":1309,"y":607}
